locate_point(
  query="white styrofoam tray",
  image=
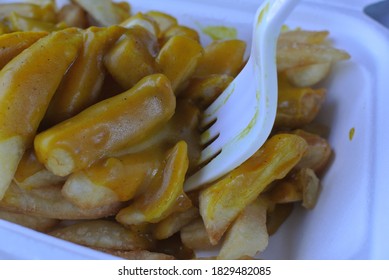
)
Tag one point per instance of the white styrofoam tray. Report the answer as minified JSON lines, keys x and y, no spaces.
{"x":350,"y":219}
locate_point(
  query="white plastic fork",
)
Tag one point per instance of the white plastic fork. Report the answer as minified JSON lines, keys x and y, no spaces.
{"x":242,"y":117}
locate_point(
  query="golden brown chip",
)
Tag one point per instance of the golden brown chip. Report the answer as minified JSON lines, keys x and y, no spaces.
{"x":103,"y":234}
{"x":32,"y":222}
{"x":222,"y":202}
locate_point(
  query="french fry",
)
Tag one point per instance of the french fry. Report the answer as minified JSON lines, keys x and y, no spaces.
{"x":132,"y":57}
{"x":142,"y":20}
{"x":113,"y":179}
{"x":30,"y":10}
{"x":82,"y":84}
{"x":33,"y":174}
{"x":173,"y":223}
{"x":303,"y":36}
{"x":308,"y":75}
{"x":106,"y":127}
{"x":178,"y":59}
{"x":214,"y":59}
{"x":72,"y":15}
{"x":222,"y":202}
{"x":277,"y":216}
{"x":48,"y":202}
{"x":292,"y":54}
{"x":318,"y":153}
{"x":14,"y":43}
{"x":310,"y":186}
{"x":164,"y":21}
{"x":204,"y":90}
{"x":284,"y":191}
{"x":248,"y":235}
{"x":103,"y":234}
{"x":179,"y":30}
{"x":32,"y":222}
{"x":103,"y":12}
{"x":297,"y":106}
{"x":21,"y":23}
{"x":165,"y":194}
{"x":195,"y":236}
{"x":301,"y":185}
{"x":27,"y":84}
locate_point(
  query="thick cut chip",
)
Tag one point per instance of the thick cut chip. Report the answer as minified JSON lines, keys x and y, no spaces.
{"x":113,"y":179}
{"x":48,"y":202}
{"x":297,"y":106}
{"x":195,"y":236}
{"x":214,"y":60}
{"x":103,"y":12}
{"x":14,"y":43}
{"x":178,"y":59}
{"x":222,"y":202}
{"x":173,"y":224}
{"x":107,"y":127}
{"x":103,"y":234}
{"x":132,"y":57}
{"x":27,"y":84}
{"x":308,"y":75}
{"x":248,"y":235}
{"x":81,"y":85}
{"x":165,"y":194}
{"x":318,"y":153}
{"x":33,"y":174}
{"x":32,"y":222}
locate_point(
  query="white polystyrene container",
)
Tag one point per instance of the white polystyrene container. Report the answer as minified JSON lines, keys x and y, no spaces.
{"x":350,"y":219}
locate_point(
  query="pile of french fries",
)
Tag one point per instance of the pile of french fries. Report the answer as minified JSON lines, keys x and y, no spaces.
{"x":99,"y":114}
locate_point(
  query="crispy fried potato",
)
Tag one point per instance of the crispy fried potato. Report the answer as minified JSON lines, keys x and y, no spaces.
{"x":165,"y":195}
{"x":30,"y":10}
{"x":178,"y":59}
{"x":164,"y":21}
{"x":300,"y":185}
{"x":27,"y":84}
{"x":113,"y":179}
{"x":294,"y":54}
{"x":103,"y":12}
{"x":310,"y":186}
{"x":143,"y":20}
{"x":81,"y":85}
{"x":284,"y":191}
{"x":222,"y":202}
{"x":33,"y":174}
{"x":132,"y":57}
{"x":308,"y":75}
{"x":21,"y":23}
{"x":214,"y":59}
{"x":107,"y":127}
{"x":318,"y":153}
{"x":204,"y":90}
{"x":48,"y":202}
{"x":14,"y":43}
{"x":32,"y":222}
{"x":103,"y":234}
{"x":297,"y":106}
{"x":72,"y":15}
{"x":277,"y":216}
{"x":179,"y":30}
{"x":195,"y":236}
{"x":303,"y":36}
{"x":248,"y":235}
{"x":173,"y":223}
